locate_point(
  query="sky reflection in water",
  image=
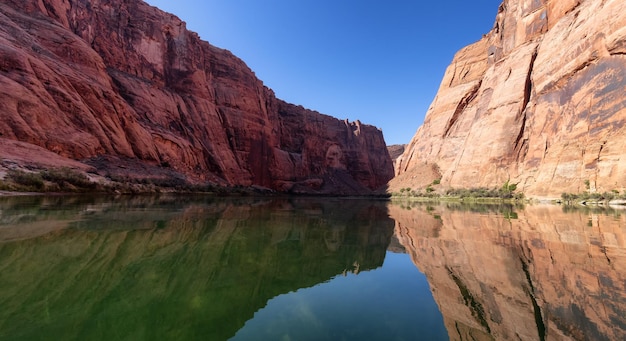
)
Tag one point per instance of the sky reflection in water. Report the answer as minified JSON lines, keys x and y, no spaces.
{"x":389,"y":303}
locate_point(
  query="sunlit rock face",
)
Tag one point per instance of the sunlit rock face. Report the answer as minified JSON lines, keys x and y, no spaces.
{"x":533,"y":274}
{"x":539,"y":100}
{"x":122,"y":79}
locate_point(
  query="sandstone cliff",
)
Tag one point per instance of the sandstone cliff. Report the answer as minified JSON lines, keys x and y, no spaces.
{"x":539,"y":101}
{"x":110,"y":81}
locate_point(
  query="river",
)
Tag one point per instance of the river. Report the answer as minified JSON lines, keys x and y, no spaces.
{"x":196,"y":267}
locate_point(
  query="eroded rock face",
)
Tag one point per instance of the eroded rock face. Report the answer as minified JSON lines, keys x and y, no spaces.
{"x":535,"y":274}
{"x":124,"y":79}
{"x":538,"y":101}
{"x":395,"y":151}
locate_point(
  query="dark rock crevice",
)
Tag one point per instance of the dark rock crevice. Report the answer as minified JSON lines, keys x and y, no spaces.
{"x":520,"y":145}
{"x":530,"y":291}
{"x":597,"y":160}
{"x":528,"y":86}
{"x":464,"y":103}
{"x":476,"y":308}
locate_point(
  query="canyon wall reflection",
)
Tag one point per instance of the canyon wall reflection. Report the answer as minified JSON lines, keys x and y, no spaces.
{"x":176,"y":268}
{"x":538,"y":273}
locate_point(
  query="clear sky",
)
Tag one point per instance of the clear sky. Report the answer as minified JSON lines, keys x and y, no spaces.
{"x":380,"y":62}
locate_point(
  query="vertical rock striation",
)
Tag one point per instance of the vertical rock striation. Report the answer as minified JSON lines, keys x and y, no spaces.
{"x":119,"y":79}
{"x":539,"y":101}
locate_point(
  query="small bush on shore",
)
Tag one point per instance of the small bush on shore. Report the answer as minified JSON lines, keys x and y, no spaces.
{"x":26,"y":180}
{"x":66,"y":178}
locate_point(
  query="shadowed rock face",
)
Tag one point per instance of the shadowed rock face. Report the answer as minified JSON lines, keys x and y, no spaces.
{"x":122,"y":79}
{"x":538,"y":100}
{"x":534,"y":274}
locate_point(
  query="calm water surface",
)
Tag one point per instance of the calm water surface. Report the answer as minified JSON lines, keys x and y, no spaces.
{"x":187,"y":268}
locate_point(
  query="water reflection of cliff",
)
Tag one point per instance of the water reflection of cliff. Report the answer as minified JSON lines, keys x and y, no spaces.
{"x":534,"y":274}
{"x":170,"y":268}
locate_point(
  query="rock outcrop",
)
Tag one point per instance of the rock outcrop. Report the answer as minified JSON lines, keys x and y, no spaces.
{"x":124,"y":80}
{"x":541,"y":273}
{"x":395,"y":151}
{"x":539,"y":101}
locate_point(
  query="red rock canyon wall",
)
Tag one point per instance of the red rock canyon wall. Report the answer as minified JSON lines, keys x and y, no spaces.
{"x":539,"y":101}
{"x":124,"y":80}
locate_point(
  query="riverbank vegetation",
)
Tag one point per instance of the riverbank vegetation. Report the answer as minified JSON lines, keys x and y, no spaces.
{"x":590,"y":198}
{"x":67,"y":180}
{"x":507,"y":192}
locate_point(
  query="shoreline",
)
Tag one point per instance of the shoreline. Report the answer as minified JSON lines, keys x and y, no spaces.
{"x":615,"y":204}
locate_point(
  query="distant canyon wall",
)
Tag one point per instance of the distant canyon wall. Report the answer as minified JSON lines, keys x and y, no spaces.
{"x":122,"y":79}
{"x":539,"y":101}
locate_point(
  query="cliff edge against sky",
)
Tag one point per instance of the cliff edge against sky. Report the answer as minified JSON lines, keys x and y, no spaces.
{"x":120,"y":85}
{"x":538,"y":101}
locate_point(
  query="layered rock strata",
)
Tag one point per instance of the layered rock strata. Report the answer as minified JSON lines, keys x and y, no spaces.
{"x":539,"y":101}
{"x":121,"y":80}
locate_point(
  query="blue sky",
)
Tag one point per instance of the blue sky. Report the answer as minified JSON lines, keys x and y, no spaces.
{"x":377,"y":61}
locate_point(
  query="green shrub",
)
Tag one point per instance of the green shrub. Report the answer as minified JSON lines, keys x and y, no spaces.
{"x":30,"y":180}
{"x":6,"y":186}
{"x":608,"y":196}
{"x":505,"y":192}
{"x":586,"y":196}
{"x":64,"y":176}
{"x":508,"y":187}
